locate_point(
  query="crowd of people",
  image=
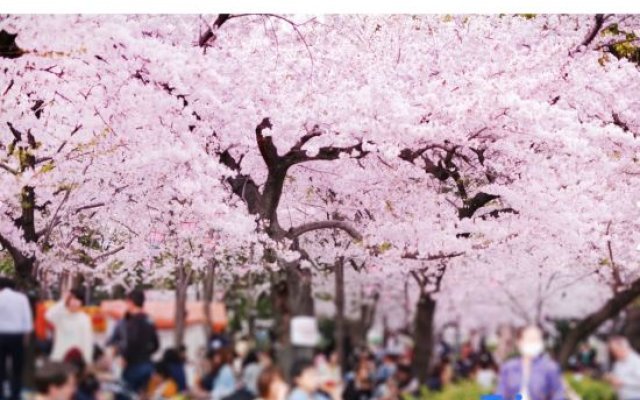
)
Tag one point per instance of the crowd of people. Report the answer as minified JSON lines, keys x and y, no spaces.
{"x":127,"y":367}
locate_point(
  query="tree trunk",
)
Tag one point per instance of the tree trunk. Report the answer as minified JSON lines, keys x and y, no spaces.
{"x":592,"y":322}
{"x":182,"y":283}
{"x":208,"y":290}
{"x":367,"y":317}
{"x":407,"y":306}
{"x":292,"y":296}
{"x":24,"y":267}
{"x":340,"y":325}
{"x":423,"y":334}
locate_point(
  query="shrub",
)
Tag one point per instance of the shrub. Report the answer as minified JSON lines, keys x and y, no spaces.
{"x":589,"y":388}
{"x":465,"y":390}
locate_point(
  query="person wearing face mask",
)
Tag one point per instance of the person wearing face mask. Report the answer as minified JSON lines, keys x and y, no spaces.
{"x":72,"y":327}
{"x":533,"y":375}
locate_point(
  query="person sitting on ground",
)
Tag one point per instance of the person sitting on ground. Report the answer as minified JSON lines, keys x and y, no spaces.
{"x":441,"y":375}
{"x":305,"y":380}
{"x":387,"y":367}
{"x":407,"y":383}
{"x":271,"y":384}
{"x":72,"y":326}
{"x":466,"y":362}
{"x":360,"y":386}
{"x":401,"y":384}
{"x":162,"y":385}
{"x":173,"y":359}
{"x":88,"y":385}
{"x":485,"y":373}
{"x":55,"y":381}
{"x":251,"y":369}
{"x":224,"y":382}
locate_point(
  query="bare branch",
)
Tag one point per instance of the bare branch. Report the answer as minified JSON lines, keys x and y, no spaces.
{"x":8,"y":169}
{"x":332,"y":224}
{"x":430,"y":257}
{"x":108,"y":253}
{"x":315,"y":132}
{"x":419,"y":279}
{"x":88,"y":206}
{"x":54,"y":220}
{"x":599,"y":22}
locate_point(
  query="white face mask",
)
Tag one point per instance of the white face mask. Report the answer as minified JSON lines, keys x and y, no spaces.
{"x":531,"y":349}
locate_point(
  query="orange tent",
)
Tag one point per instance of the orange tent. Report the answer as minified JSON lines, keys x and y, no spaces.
{"x":163,"y":313}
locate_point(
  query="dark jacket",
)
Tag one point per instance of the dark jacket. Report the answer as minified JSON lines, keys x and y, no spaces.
{"x":136,"y":338}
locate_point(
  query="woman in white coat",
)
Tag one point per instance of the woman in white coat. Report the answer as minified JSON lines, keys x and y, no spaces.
{"x":72,"y":327}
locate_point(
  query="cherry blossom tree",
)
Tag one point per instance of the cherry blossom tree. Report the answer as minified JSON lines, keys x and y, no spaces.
{"x":464,"y":153}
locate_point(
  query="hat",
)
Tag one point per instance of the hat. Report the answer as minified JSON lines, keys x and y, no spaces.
{"x":218,"y":342}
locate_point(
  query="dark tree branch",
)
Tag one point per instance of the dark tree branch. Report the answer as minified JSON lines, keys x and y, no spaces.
{"x":598,"y":23}
{"x":8,"y":169}
{"x":88,"y":206}
{"x":209,"y":34}
{"x":621,"y":124}
{"x":312,"y":226}
{"x":265,"y":144}
{"x":14,"y":252}
{"x":54,"y":220}
{"x":475,"y":203}
{"x":430,"y":257}
{"x":108,"y":253}
{"x":593,"y":321}
{"x":496,"y":213}
{"x":315,"y":132}
{"x":420,"y":280}
{"x":355,"y":265}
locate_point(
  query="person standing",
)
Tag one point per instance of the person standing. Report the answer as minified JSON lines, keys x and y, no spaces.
{"x":533,"y":375}
{"x":16,"y":323}
{"x":72,"y":327}
{"x":136,"y":339}
{"x":625,"y":376}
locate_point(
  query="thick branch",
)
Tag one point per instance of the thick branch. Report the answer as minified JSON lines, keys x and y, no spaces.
{"x":328,"y":153}
{"x":599,"y":21}
{"x":15,"y":254}
{"x":312,"y":226}
{"x":242,"y":185}
{"x":267,"y":149}
{"x":592,"y":322}
{"x":475,"y":203}
{"x":420,"y":280}
{"x":315,"y":132}
{"x":208,"y":34}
